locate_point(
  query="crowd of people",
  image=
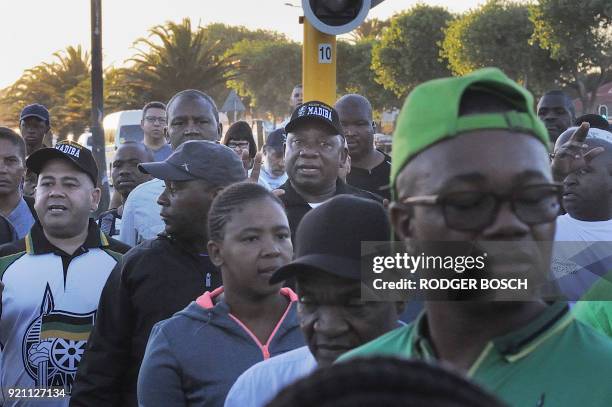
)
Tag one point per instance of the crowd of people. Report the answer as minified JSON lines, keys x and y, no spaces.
{"x":224,"y":273}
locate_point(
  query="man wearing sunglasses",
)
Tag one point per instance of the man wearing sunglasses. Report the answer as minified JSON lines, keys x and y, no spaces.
{"x":475,"y":169}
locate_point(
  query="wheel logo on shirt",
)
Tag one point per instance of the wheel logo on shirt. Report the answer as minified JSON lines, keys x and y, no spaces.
{"x":54,"y":343}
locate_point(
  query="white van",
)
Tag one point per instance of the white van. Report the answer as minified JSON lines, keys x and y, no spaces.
{"x":120,"y":127}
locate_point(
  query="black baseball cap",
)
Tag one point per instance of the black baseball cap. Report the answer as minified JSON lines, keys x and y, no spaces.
{"x":199,"y":159}
{"x":68,"y":150}
{"x":327,"y":240}
{"x":276,"y":138}
{"x":315,"y":111}
{"x":35,"y":110}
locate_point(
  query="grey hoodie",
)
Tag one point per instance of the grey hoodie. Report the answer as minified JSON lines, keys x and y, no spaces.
{"x":193,"y":358}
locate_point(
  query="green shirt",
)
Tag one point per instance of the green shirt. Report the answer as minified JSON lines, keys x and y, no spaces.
{"x":554,"y":361}
{"x":593,"y":310}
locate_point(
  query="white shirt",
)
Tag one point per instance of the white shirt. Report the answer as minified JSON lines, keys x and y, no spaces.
{"x":274,"y":182}
{"x":582,"y":253}
{"x":141,"y":220}
{"x":261,"y":382}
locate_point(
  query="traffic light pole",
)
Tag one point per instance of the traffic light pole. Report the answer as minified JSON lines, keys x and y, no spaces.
{"x":318,"y":65}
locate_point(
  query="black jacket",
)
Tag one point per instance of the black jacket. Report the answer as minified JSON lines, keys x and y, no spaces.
{"x":7,"y":231}
{"x":296,"y":207}
{"x":158,"y":278}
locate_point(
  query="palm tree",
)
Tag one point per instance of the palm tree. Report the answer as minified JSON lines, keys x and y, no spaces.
{"x":49,"y":84}
{"x":177,"y":58}
{"x":369,"y":29}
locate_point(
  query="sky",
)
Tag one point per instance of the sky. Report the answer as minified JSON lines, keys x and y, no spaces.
{"x":32,"y":30}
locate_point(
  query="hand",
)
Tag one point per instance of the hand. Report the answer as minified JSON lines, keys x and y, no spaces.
{"x":254,"y":177}
{"x":573,"y":155}
{"x":41,"y":352}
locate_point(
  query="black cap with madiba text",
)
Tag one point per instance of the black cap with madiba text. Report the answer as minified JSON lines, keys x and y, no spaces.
{"x":77,"y":154}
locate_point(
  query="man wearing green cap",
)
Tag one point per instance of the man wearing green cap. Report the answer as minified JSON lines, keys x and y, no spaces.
{"x":476,"y":169}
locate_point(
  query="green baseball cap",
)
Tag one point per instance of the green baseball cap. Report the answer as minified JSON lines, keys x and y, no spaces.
{"x":431,"y":114}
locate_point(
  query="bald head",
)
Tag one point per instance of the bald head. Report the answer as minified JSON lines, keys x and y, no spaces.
{"x":354,"y":101}
{"x":355,"y":114}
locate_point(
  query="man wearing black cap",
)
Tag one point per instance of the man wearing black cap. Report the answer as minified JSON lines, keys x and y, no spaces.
{"x":314,"y":153}
{"x":158,"y":277}
{"x":54,"y":276}
{"x":273,"y":165}
{"x":332,"y":316}
{"x":34,"y":123}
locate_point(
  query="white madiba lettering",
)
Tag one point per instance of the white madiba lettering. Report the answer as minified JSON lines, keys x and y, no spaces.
{"x":66,"y":149}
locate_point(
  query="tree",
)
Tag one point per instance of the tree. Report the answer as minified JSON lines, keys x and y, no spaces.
{"x":579,"y":37}
{"x":175,"y":57}
{"x":49,"y":84}
{"x":369,"y":29}
{"x":266,"y":73}
{"x":497,"y":34}
{"x":409,"y":50}
{"x":355,"y":75}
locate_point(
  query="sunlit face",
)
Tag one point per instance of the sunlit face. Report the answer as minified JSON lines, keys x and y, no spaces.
{"x":153,"y":123}
{"x":33,"y":131}
{"x":191,"y":118}
{"x":12,"y":169}
{"x":184,"y":207}
{"x":498,"y":162}
{"x":125,"y":173}
{"x":65,"y":198}
{"x":256,"y":242}
{"x":313,"y":157}
{"x":358,"y":127}
{"x":553,"y":111}
{"x":274,"y":161}
{"x":334,"y":319}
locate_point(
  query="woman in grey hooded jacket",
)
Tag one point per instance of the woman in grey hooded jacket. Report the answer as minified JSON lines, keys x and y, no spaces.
{"x":193,"y":358}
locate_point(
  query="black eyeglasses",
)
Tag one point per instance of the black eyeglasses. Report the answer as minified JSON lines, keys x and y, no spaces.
{"x":153,"y":119}
{"x":475,"y":210}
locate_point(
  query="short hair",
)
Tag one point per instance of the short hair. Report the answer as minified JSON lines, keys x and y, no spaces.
{"x":356,"y":98}
{"x":194,"y":94}
{"x":16,"y":139}
{"x":232,"y":199}
{"x":299,"y":85}
{"x":384,"y":381}
{"x":149,"y":153}
{"x":152,"y":105}
{"x":241,"y":131}
{"x":569,"y":103}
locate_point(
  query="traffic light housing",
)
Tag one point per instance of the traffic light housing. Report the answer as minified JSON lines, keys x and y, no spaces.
{"x":336,"y":17}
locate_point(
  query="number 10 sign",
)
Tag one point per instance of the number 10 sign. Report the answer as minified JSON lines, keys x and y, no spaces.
{"x":325,"y":53}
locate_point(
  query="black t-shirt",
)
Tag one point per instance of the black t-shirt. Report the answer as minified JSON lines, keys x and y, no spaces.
{"x":376,"y":180}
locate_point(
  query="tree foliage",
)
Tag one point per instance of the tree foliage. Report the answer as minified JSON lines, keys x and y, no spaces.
{"x":175,"y":57}
{"x":579,"y":37}
{"x":498,"y":34}
{"x":355,"y":75}
{"x":52,"y":84}
{"x":266,"y":73}
{"x":409,"y":50}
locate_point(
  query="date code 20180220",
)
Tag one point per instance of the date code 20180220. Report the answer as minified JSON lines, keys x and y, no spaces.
{"x":15,"y":393}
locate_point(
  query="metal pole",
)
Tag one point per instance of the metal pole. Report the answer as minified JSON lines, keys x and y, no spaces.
{"x":97,"y":101}
{"x":319,"y":65}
